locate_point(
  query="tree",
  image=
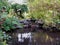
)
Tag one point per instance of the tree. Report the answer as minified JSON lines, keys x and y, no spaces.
{"x":19,"y":8}
{"x":47,"y":10}
{"x":4,"y":3}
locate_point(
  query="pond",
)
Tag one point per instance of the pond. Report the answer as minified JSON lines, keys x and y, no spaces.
{"x":35,"y":38}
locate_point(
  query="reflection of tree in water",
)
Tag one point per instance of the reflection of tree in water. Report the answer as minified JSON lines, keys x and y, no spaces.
{"x":42,"y":38}
{"x":35,"y":38}
{"x":24,"y":38}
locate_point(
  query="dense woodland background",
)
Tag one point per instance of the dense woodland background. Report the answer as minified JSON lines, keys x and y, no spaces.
{"x":46,"y":10}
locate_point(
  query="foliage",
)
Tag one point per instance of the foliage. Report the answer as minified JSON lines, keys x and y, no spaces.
{"x":3,"y":37}
{"x":7,"y":26}
{"x":9,"y":22}
{"x":4,"y":3}
{"x":22,"y":8}
{"x":3,"y":43}
{"x":18,"y":6}
{"x":47,"y":10}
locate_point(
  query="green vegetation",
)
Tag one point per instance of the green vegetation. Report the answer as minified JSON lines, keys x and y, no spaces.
{"x":8,"y":19}
{"x":3,"y":37}
{"x":19,"y":9}
{"x":47,"y":10}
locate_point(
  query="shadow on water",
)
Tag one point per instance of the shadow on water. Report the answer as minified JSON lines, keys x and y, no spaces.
{"x":35,"y":38}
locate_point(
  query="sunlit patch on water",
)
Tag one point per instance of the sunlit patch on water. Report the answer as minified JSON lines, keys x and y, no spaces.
{"x":22,"y":36}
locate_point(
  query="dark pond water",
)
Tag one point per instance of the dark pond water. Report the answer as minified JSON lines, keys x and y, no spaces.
{"x":35,"y":38}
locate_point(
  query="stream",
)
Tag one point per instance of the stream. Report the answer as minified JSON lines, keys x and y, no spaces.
{"x":35,"y":38}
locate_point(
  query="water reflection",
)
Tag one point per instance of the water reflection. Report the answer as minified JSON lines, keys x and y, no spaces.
{"x":22,"y":36}
{"x":37,"y":38}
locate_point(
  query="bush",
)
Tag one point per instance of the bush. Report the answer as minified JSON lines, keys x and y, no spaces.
{"x":7,"y":23}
